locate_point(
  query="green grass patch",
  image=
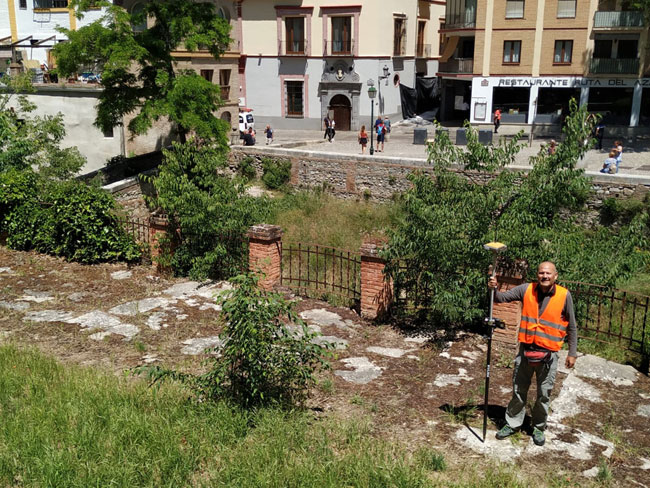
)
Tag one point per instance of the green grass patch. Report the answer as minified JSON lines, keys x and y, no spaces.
{"x":317,"y":217}
{"x":78,"y":427}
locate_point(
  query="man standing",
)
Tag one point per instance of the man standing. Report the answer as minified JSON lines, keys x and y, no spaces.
{"x":497,"y":120}
{"x":326,"y":123}
{"x":547,"y":317}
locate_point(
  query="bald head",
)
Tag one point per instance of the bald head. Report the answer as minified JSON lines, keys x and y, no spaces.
{"x":546,"y":275}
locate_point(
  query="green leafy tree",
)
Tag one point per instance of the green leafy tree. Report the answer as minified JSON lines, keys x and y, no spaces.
{"x":210,"y":210}
{"x":139,"y":73}
{"x":448,"y":218}
{"x":28,"y":141}
{"x":262,"y":360}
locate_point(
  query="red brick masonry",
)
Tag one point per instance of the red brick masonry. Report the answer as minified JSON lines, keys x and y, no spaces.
{"x":265,"y":254}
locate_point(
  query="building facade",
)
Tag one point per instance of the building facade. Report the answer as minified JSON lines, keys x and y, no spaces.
{"x":303,"y":60}
{"x":530,"y":57}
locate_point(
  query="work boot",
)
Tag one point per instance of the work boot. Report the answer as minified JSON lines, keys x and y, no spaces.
{"x":538,"y":437}
{"x":505,"y":431}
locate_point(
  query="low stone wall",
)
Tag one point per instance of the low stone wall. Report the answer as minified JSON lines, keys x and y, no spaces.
{"x":349,"y":176}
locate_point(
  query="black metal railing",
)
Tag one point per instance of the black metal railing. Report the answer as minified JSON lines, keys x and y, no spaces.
{"x":139,"y":229}
{"x":315,"y":270}
{"x":612,"y":316}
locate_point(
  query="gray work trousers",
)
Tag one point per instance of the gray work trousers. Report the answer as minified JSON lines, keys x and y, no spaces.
{"x":521,"y":379}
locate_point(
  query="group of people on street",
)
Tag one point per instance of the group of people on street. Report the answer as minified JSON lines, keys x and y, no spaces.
{"x":381,"y":128}
{"x":249,"y":136}
{"x":330,"y":128}
{"x":613,"y":161}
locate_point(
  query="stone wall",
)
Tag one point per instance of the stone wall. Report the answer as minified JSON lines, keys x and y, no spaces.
{"x":355,"y":177}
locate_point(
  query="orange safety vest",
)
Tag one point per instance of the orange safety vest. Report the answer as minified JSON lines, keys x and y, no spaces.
{"x":549,"y":329}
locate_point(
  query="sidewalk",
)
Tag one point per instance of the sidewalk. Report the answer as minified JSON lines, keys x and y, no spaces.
{"x":636,"y":160}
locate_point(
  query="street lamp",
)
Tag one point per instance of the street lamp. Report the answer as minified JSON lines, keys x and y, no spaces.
{"x":379,"y":78}
{"x":372,"y":92}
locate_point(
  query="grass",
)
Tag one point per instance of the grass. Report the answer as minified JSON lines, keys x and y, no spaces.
{"x":77,"y":427}
{"x":317,"y":217}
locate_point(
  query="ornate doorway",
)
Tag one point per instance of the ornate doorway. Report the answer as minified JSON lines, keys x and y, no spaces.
{"x":341,"y":108}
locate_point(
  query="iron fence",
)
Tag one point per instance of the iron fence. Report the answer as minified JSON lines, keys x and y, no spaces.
{"x":611,"y":316}
{"x":137,"y":228}
{"x":312,"y":269}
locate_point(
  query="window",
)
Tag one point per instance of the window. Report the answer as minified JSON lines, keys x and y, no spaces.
{"x":50,"y":4}
{"x":514,"y":9}
{"x":224,"y":83}
{"x":341,"y":35}
{"x":399,"y":39}
{"x":295,"y":34}
{"x":294,"y":98}
{"x":22,"y":4}
{"x":224,"y":14}
{"x":511,"y":50}
{"x":566,"y":9}
{"x":627,"y":49}
{"x":108,"y":134}
{"x":207,"y":74}
{"x":138,"y":15}
{"x":603,"y":48}
{"x":421,"y":51}
{"x":563,"y":50}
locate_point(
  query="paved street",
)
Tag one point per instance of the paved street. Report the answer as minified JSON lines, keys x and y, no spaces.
{"x":636,"y":152}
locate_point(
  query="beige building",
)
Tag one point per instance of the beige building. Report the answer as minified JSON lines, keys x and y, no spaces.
{"x":303,"y":59}
{"x":530,"y":57}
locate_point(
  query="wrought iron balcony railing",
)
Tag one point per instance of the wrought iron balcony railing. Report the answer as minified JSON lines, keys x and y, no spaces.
{"x":459,"y":65}
{"x":614,"y":66}
{"x":613,"y":20}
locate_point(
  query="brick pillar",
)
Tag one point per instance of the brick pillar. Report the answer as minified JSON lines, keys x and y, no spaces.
{"x":158,"y":228}
{"x":376,"y":291}
{"x":265,"y":253}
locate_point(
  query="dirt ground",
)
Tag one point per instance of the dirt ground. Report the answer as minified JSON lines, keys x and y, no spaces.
{"x":419,"y":390}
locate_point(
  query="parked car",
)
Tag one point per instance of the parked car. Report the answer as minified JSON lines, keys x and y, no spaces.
{"x":246,"y":121}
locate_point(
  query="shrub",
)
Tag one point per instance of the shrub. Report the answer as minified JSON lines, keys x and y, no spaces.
{"x":210,"y":209}
{"x":262,"y":361}
{"x":276,"y":173}
{"x":247,"y":169}
{"x":68,"y":219}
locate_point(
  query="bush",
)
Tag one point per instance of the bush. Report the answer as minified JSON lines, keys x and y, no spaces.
{"x":68,"y":219}
{"x":262,"y":361}
{"x":247,"y":169}
{"x":276,"y":173}
{"x":622,"y":211}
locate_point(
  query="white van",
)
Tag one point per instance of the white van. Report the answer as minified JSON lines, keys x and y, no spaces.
{"x":246,"y":121}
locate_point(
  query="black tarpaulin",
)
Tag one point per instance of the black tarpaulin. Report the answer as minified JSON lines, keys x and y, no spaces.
{"x":423,"y":99}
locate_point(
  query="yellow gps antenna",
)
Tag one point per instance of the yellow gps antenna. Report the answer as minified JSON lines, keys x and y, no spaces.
{"x":495,"y":248}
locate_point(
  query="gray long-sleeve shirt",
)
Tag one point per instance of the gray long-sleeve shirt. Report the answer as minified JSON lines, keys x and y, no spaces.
{"x":517,"y":295}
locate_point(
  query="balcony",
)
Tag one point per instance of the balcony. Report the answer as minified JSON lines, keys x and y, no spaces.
{"x":339,"y":48}
{"x":618,"y":20}
{"x":611,"y":66}
{"x":459,"y":65}
{"x":292,"y":48}
{"x":423,"y":51}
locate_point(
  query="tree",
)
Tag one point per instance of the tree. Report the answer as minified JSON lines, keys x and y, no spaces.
{"x":448,"y":218}
{"x":28,"y":141}
{"x":138,"y":71}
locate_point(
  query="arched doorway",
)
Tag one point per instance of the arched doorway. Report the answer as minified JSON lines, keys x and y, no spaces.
{"x":341,"y":111}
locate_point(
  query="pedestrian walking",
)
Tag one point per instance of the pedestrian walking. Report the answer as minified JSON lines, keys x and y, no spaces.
{"x":363,"y":139}
{"x":326,"y":123}
{"x":387,"y":127}
{"x":599,"y":134}
{"x":552,"y":147}
{"x":381,"y":132}
{"x":269,"y":134}
{"x":547,"y":319}
{"x":332,"y":131}
{"x":497,"y":120}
